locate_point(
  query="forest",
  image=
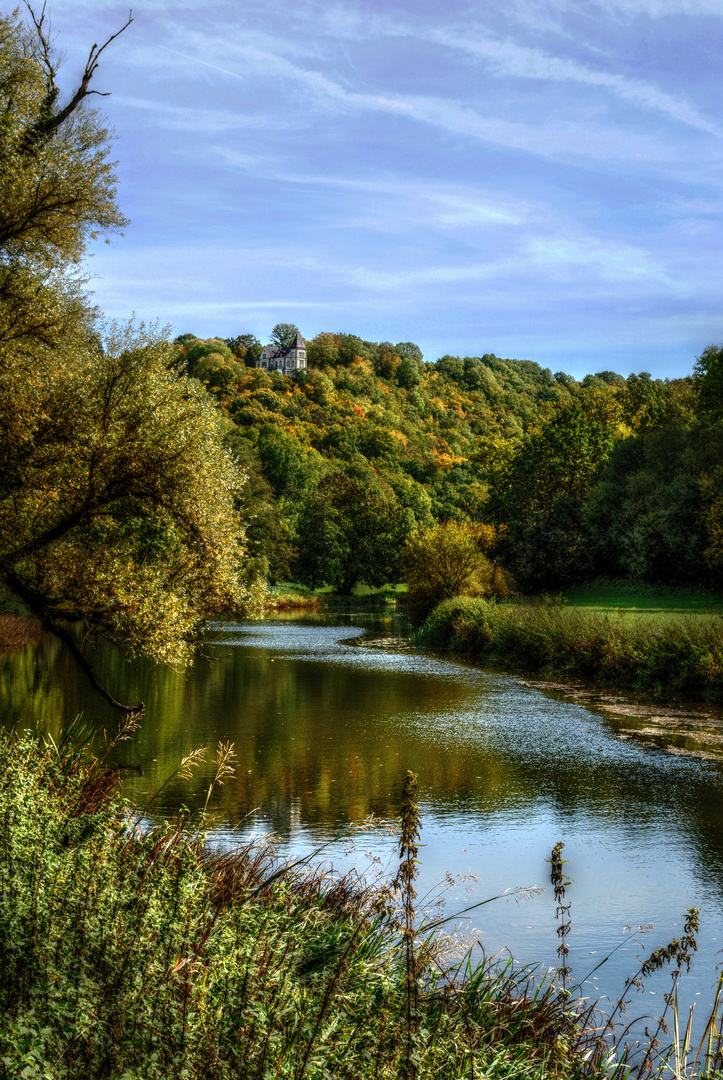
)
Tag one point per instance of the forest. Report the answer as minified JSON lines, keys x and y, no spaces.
{"x":559,"y":481}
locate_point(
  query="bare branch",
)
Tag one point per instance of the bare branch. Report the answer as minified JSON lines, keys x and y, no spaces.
{"x":45,"y":128}
{"x":36,"y":604}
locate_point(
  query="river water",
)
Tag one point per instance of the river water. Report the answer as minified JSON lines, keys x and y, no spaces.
{"x":325,"y":727}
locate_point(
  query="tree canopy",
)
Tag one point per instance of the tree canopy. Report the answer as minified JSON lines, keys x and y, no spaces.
{"x":118,"y":501}
{"x":284,"y":334}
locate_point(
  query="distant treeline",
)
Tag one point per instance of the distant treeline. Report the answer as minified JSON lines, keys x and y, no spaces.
{"x":571,"y":480}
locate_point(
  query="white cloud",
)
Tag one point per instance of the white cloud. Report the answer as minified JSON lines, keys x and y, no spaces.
{"x":507,"y":58}
{"x":207,"y":121}
{"x":545,"y":14}
{"x":423,"y":201}
{"x":574,"y":137}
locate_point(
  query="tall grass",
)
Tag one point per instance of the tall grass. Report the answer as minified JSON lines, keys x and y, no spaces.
{"x":681,"y":658}
{"x":16,"y":631}
{"x":142,"y":956}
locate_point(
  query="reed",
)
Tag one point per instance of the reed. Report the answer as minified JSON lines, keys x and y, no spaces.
{"x":280,"y":600}
{"x":16,"y":631}
{"x":142,"y":955}
{"x":667,"y":658}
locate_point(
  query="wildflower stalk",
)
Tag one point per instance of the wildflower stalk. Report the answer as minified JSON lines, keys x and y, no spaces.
{"x":559,"y":883}
{"x":408,"y":862}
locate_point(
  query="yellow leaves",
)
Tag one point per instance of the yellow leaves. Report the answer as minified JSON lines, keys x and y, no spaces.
{"x":124,"y":463}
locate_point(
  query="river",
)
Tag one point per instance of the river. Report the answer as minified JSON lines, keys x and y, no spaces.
{"x":325,"y":727}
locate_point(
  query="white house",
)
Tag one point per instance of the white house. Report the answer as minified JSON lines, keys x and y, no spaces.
{"x":288,"y":361}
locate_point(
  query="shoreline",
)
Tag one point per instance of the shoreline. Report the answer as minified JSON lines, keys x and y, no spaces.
{"x":673,"y":661}
{"x":16,"y":631}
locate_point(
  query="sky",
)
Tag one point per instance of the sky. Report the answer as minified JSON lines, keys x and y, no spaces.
{"x":540,"y":179}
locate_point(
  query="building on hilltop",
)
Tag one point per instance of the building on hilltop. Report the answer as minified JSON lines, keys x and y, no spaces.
{"x":287,"y":360}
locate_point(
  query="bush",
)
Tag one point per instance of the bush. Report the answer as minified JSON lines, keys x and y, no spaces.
{"x":671,"y":658}
{"x":145,"y":957}
{"x":448,"y":561}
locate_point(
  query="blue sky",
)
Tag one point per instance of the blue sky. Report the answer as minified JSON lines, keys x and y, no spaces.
{"x":536,"y":178}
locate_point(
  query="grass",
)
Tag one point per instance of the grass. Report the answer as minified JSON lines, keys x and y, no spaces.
{"x":663,"y":658}
{"x":16,"y":631}
{"x":631,"y":599}
{"x":140,"y":955}
{"x":289,"y":596}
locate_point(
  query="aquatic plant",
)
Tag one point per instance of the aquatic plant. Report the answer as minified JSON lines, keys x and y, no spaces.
{"x":140,"y":954}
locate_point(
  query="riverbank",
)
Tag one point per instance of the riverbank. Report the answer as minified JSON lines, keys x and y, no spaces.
{"x":145,"y":956}
{"x":362,"y":598}
{"x":677,"y":658}
{"x":16,"y":631}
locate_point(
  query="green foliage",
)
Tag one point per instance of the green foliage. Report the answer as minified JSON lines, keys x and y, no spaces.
{"x":118,"y":503}
{"x":350,"y":532}
{"x":380,"y":409}
{"x":246,"y":347}
{"x":117,"y":500}
{"x":708,"y":375}
{"x":284,"y":335}
{"x":541,"y":493}
{"x":57,"y":187}
{"x":661,"y":658}
{"x":448,"y":561}
{"x":614,"y":476}
{"x":146,"y":957}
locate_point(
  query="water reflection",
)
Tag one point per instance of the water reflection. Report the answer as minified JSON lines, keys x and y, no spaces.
{"x":325,"y":729}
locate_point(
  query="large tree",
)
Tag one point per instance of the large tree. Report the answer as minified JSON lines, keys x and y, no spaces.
{"x":350,"y":532}
{"x":284,"y":334}
{"x":540,"y":491}
{"x":117,"y":499}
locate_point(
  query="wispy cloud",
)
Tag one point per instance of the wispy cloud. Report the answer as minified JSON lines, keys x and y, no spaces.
{"x":551,"y":14}
{"x":539,"y":178}
{"x":510,"y":59}
{"x":423,"y":200}
{"x":573,"y":135}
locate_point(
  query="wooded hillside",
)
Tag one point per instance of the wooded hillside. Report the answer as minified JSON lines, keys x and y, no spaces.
{"x":561,"y":480}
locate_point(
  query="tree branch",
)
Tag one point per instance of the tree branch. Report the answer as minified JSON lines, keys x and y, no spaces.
{"x":35,"y":603}
{"x":67,"y":638}
{"x":45,"y":128}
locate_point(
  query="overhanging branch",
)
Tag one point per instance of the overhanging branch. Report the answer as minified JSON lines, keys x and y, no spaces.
{"x":35,"y":602}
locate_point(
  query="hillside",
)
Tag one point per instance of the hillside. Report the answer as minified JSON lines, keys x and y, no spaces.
{"x":371,"y":443}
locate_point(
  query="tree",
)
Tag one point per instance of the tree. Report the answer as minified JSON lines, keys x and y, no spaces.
{"x":323,"y":350}
{"x":708,"y":375}
{"x":350,"y":533}
{"x":117,"y":499}
{"x":540,"y":493}
{"x":448,"y":561}
{"x":645,"y":402}
{"x":57,"y":186}
{"x":246,"y":347}
{"x":284,"y":334}
{"x":282,"y":459}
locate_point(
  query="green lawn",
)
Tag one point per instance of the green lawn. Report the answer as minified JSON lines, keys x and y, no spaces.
{"x":643,"y":600}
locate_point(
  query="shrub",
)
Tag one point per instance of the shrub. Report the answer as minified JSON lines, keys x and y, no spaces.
{"x":679,"y":658}
{"x":448,"y":561}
